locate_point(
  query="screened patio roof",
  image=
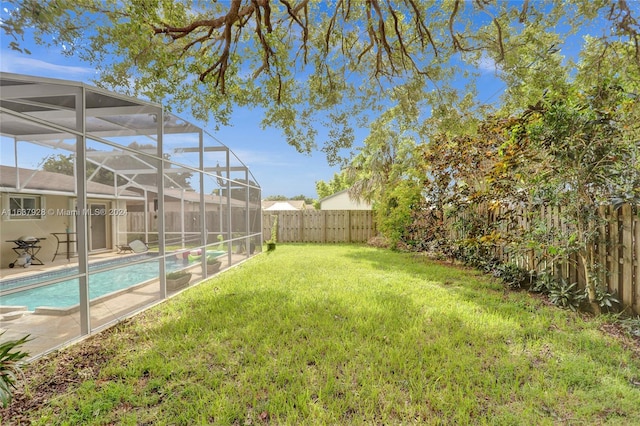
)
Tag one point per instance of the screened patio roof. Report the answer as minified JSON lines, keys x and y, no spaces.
{"x":54,"y":101}
{"x":51,"y":113}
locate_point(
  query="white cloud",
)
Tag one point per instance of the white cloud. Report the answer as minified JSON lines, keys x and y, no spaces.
{"x":19,"y":64}
{"x":487,"y":64}
{"x":257,"y":158}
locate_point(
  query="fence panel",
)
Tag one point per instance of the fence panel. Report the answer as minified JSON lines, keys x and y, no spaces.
{"x":135,"y":221}
{"x":362,"y":225}
{"x":602,"y":250}
{"x":616,"y":249}
{"x":313,"y":227}
{"x":636,"y":260}
{"x":288,"y":226}
{"x":320,"y":226}
{"x":336,"y":231}
{"x":627,"y":253}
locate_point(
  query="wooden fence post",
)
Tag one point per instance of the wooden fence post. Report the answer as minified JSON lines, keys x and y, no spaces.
{"x":602,"y":247}
{"x":627,"y":255}
{"x":614,"y":250}
{"x":636,"y":261}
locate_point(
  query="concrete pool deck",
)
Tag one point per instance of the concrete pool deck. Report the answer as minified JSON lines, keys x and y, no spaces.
{"x":50,"y":331}
{"x":55,"y":329}
{"x":58,"y":264}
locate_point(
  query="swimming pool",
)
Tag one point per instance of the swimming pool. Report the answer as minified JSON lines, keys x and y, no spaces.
{"x":66,"y":294}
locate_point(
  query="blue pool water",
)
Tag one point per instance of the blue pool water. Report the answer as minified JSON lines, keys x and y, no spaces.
{"x":66,"y":293}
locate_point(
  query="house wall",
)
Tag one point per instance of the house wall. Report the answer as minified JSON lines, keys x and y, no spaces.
{"x":341,"y":201}
{"x":59,"y":217}
{"x":53,"y":221}
{"x":119,"y":222}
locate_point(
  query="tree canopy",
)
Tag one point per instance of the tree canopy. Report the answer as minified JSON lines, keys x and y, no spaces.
{"x":313,"y":65}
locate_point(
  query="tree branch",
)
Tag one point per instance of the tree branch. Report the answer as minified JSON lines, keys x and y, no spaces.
{"x":452,"y":17}
{"x":332,"y":23}
{"x":292,"y":13}
{"x":626,"y":23}
{"x":267,"y":51}
{"x":523,"y":12}
{"x":421,"y":27}
{"x":221,"y":65}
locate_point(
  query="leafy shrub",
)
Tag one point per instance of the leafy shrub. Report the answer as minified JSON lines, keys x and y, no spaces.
{"x":512,"y":275}
{"x":425,"y":232}
{"x":566,"y":295}
{"x":213,"y":261}
{"x":543,"y":283}
{"x":274,"y":229}
{"x":476,"y":255}
{"x":608,"y":302}
{"x":394,"y":212}
{"x":10,"y":367}
{"x":177,"y":275}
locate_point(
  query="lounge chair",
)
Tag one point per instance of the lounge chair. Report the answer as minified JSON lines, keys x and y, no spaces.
{"x":135,"y":246}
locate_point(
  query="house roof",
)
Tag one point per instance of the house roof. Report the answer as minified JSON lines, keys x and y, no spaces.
{"x":40,"y":180}
{"x":194,"y":197}
{"x":335,"y":194}
{"x":282,"y":205}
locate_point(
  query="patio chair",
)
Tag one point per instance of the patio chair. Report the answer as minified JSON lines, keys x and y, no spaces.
{"x":135,"y":246}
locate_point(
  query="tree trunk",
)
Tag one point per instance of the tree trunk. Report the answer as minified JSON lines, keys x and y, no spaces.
{"x":589,"y":281}
{"x":585,"y":227}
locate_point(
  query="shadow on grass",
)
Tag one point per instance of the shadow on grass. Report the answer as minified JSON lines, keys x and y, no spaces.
{"x":410,"y":342}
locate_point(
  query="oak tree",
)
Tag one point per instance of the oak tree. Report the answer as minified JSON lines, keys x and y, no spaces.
{"x":315,"y":68}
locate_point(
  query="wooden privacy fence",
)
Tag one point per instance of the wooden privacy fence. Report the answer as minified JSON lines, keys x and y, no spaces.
{"x":617,"y":248}
{"x":320,"y":226}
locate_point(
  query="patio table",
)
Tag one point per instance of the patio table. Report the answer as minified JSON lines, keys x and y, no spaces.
{"x":64,"y":239}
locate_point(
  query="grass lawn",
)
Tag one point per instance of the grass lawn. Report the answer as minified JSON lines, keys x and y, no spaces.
{"x":341,"y":334}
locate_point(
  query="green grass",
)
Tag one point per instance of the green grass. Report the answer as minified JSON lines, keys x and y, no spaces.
{"x":324,"y":334}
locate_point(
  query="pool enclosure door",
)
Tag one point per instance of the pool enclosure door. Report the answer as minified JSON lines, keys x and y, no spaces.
{"x":97,"y":226}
